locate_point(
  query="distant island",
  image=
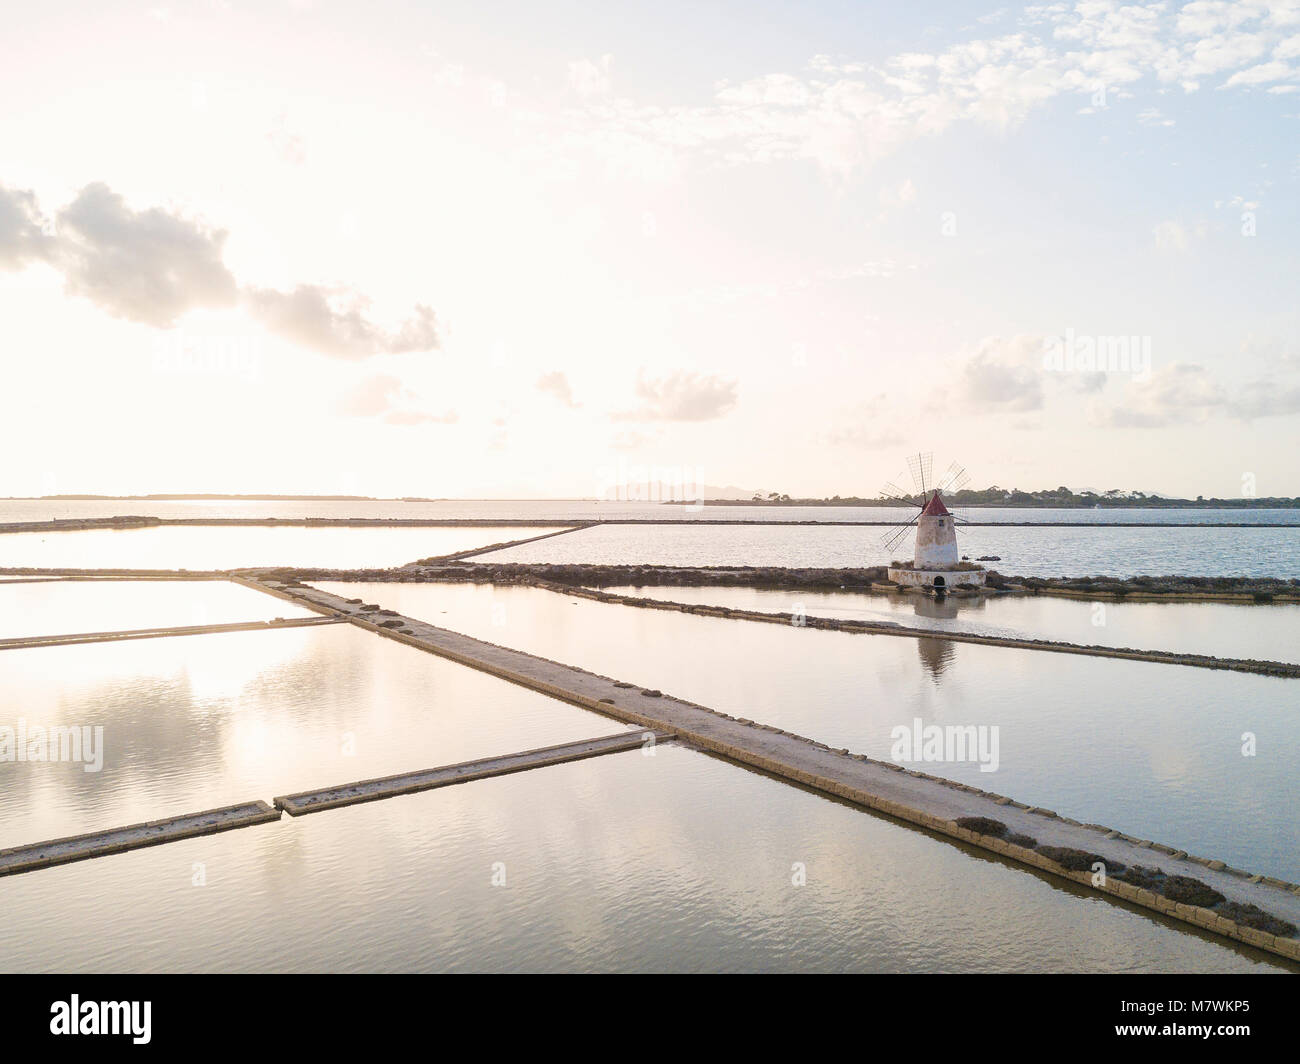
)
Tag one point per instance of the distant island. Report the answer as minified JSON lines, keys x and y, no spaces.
{"x":1057,"y":498}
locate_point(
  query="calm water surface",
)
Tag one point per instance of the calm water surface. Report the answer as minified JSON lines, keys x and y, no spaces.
{"x":214,"y":547}
{"x":1023,"y":551}
{"x":676,"y":862}
{"x":63,"y":607}
{"x":196,"y":722}
{"x":1153,"y":750}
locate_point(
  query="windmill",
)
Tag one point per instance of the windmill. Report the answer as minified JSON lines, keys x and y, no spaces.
{"x":937,"y":563}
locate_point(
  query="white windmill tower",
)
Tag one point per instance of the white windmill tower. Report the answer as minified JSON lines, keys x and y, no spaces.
{"x":936,"y":562}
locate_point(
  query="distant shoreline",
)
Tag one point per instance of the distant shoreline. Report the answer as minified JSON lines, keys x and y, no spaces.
{"x":1272,"y":503}
{"x":1148,"y":503}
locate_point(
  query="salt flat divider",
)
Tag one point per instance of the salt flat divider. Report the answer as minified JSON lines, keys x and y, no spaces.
{"x":30,"y":642}
{"x":426,"y":779}
{"x":463,"y":554}
{"x":853,"y":627}
{"x":133,"y":837}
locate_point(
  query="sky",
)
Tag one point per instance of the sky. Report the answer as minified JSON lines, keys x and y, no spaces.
{"x":515,"y":250}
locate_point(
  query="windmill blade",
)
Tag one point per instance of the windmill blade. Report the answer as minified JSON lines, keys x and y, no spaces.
{"x":894,"y":536}
{"x":955,"y":479}
{"x":920,"y":465}
{"x":890,"y":490}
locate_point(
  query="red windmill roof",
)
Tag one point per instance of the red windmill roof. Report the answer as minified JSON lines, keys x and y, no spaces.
{"x":935,"y":507}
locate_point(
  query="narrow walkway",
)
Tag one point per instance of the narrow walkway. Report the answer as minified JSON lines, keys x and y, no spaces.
{"x":28,"y":642}
{"x":426,"y":779}
{"x":118,"y":840}
{"x":473,"y":551}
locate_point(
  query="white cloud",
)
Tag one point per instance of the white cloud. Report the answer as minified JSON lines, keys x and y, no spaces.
{"x":557,"y":385}
{"x":590,"y":79}
{"x":682,"y":396}
{"x":384,"y":396}
{"x":1174,"y":235}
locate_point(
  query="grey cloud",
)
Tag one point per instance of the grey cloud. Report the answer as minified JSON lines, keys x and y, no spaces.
{"x":1187,"y":393}
{"x":153,"y":265}
{"x":335,"y":323}
{"x":682,"y":396}
{"x":23,"y":230}
{"x":149,"y":266}
{"x":1005,"y":373}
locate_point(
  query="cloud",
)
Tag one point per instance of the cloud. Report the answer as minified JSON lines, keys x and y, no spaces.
{"x":864,"y":424}
{"x":373,"y":397}
{"x":557,"y":384}
{"x":288,"y":145}
{"x":630,"y":440}
{"x":24,"y":236}
{"x":1186,"y":393}
{"x":384,"y":395}
{"x":682,"y":396}
{"x":590,"y":79}
{"x":153,"y":266}
{"x":1262,"y":74}
{"x":1179,"y":393}
{"x":867,"y":437}
{"x":1152,"y":116}
{"x":1007,"y":374}
{"x":844,"y":115}
{"x":1174,"y":235}
{"x":149,"y":266}
{"x":416,"y":417}
{"x":334,"y":322}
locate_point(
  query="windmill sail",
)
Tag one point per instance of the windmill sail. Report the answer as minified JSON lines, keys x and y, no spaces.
{"x":920,"y":465}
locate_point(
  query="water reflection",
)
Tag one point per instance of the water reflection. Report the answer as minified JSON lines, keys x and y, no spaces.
{"x":935,"y":654}
{"x":1091,"y":738}
{"x":199,"y":547}
{"x":63,"y":607}
{"x":201,"y":721}
{"x":677,"y":862}
{"x":1221,"y":629}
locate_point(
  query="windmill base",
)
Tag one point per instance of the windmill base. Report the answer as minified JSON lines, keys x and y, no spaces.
{"x":937,"y":579}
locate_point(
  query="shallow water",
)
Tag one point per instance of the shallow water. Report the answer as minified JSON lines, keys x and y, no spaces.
{"x":196,"y":722}
{"x":677,"y":862}
{"x":1226,"y":630}
{"x":1023,"y":551}
{"x":242,"y":547}
{"x":65,"y":607}
{"x":1152,"y":750}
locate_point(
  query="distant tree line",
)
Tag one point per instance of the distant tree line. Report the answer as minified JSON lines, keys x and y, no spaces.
{"x":1061,"y":497}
